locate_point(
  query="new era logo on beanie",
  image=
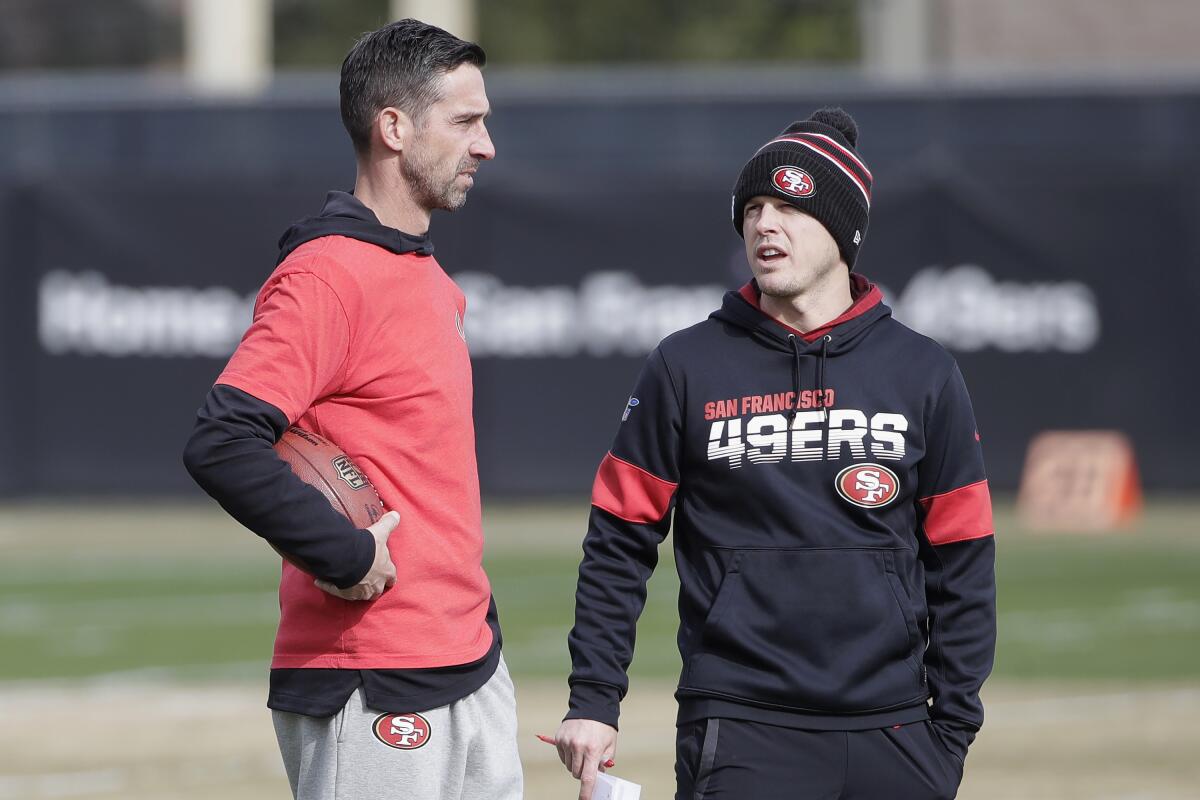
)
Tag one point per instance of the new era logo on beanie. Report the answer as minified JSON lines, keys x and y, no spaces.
{"x":813,"y":165}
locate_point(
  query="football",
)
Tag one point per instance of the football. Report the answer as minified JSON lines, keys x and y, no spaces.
{"x":323,"y":465}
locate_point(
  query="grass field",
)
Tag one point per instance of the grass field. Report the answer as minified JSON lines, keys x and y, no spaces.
{"x":143,"y":634}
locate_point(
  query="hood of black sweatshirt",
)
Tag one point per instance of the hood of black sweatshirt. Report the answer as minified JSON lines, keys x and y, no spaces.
{"x":344,"y":215}
{"x":741,"y":308}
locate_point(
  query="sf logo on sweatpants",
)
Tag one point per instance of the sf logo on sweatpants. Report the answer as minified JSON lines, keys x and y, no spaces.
{"x":402,"y":731}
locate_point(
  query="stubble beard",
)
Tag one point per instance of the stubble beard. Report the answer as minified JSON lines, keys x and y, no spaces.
{"x":431,"y":187}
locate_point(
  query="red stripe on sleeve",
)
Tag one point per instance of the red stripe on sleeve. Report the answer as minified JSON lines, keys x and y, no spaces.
{"x":630,"y":492}
{"x":959,"y":515}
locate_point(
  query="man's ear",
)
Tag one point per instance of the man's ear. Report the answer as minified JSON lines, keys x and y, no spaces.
{"x":394,"y":128}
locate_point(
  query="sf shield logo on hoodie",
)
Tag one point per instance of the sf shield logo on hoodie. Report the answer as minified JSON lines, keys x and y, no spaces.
{"x":867,"y":485}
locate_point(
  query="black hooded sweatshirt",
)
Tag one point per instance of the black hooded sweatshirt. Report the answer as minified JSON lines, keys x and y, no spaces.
{"x":832,"y":522}
{"x":231,"y":455}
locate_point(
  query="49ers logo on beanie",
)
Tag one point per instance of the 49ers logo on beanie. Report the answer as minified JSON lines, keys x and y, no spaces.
{"x":402,"y":731}
{"x":794,"y":181}
{"x":867,"y":485}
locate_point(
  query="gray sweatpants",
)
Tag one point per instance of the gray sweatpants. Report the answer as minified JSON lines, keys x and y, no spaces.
{"x":464,"y":751}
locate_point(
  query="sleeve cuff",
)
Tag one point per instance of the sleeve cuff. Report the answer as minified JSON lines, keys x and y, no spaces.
{"x":360,"y":557}
{"x":598,"y":701}
{"x":955,"y":738}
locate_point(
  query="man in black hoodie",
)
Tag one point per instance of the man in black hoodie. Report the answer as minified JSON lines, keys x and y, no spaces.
{"x":821,"y":467}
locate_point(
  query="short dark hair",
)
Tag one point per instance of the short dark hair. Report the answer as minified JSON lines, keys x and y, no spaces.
{"x":398,"y":65}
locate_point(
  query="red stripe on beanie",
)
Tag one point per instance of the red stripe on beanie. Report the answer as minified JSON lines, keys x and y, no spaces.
{"x":849,"y":153}
{"x":838,"y":162}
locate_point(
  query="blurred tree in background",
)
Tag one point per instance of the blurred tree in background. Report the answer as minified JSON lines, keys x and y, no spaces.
{"x":315,"y":34}
{"x":547,"y":31}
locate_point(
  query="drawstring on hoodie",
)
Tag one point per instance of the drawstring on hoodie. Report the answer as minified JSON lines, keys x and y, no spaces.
{"x":742,"y":310}
{"x":825,"y":340}
{"x":795,"y":377}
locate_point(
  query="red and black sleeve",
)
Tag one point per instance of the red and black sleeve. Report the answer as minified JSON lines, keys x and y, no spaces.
{"x":632,"y":499}
{"x":293,"y":354}
{"x":231,"y":455}
{"x":959,"y":554}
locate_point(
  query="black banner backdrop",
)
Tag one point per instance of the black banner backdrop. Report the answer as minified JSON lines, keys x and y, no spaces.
{"x":1061,"y":273}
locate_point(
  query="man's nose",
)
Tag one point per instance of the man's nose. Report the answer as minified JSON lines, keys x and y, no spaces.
{"x":768,"y":220}
{"x":483,"y":148}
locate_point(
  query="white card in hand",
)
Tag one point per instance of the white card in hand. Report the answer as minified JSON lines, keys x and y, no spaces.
{"x":610,"y":788}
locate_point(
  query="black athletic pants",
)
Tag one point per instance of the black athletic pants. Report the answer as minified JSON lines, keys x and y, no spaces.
{"x":730,"y":759}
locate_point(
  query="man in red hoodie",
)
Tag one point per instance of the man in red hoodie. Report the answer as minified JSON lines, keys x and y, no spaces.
{"x":387,"y":670}
{"x":819,"y":468}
